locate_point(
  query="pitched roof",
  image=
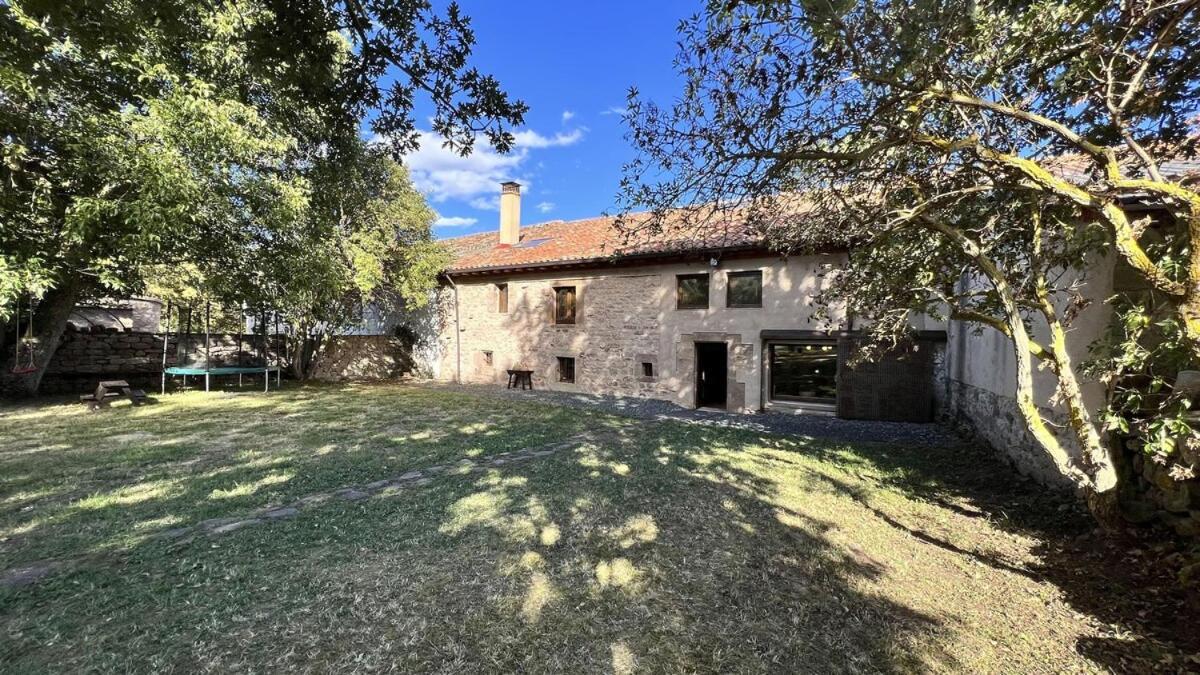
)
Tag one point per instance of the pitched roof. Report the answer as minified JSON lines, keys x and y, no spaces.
{"x":593,"y":240}
{"x":561,"y":242}
{"x":1082,"y":169}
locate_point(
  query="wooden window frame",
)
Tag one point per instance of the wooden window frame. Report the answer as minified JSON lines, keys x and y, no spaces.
{"x":562,"y":372}
{"x":730,"y":276}
{"x":502,"y":298}
{"x":679,"y":278}
{"x":574,"y":291}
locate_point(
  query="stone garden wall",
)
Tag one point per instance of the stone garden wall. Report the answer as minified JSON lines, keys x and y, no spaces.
{"x":1173,"y":502}
{"x":85,"y":357}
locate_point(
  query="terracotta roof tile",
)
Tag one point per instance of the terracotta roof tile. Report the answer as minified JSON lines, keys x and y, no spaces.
{"x":567,"y":242}
{"x":564,"y":242}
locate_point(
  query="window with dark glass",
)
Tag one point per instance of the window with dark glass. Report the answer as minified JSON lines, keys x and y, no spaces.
{"x":804,"y":373}
{"x":564,"y":304}
{"x":744,"y":290}
{"x":647,"y":369}
{"x":502,"y":298}
{"x":691,"y":291}
{"x":566,"y":369}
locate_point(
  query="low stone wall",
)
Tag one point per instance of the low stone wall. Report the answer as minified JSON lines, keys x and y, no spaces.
{"x":364,"y":357}
{"x":1175,"y":503}
{"x":1152,"y":493}
{"x":997,"y":422}
{"x":83,"y":358}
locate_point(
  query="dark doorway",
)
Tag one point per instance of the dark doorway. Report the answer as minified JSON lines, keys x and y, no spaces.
{"x":711,"y":374}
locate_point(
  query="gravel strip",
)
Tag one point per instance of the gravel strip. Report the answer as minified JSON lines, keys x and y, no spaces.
{"x":822,"y":427}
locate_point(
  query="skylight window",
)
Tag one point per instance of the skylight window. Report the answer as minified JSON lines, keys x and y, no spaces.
{"x":531,"y":243}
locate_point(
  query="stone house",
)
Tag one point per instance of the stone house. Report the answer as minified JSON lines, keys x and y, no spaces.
{"x":726,"y":324}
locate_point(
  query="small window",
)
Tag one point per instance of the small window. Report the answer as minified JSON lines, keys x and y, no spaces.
{"x":745,"y":289}
{"x":566,"y":369}
{"x":691,"y":291}
{"x":647,"y":369}
{"x":502,"y":298}
{"x":487,"y":358}
{"x":564,"y":305}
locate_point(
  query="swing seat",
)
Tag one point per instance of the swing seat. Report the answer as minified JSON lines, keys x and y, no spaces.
{"x":24,"y":371}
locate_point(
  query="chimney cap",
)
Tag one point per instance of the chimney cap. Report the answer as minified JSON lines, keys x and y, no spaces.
{"x":510,"y":185}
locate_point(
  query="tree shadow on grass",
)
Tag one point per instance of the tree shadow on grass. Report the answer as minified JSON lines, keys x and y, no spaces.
{"x":633,"y":551}
{"x":1126,"y":581}
{"x":660,"y":546}
{"x":98,"y":483}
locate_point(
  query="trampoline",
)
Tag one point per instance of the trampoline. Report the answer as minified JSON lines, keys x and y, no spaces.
{"x":208,"y":369}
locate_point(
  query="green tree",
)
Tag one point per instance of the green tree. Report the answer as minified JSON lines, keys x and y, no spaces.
{"x":367,"y":241}
{"x":978,"y":156}
{"x":140,"y":133}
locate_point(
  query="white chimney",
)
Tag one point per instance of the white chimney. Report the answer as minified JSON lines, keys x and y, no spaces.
{"x":510,"y":213}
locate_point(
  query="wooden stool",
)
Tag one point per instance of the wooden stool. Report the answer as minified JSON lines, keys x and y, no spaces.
{"x":520,"y":378}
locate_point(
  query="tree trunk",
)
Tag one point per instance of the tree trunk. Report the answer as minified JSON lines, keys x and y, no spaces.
{"x":1105,"y":507}
{"x":305,"y":352}
{"x":49,"y":322}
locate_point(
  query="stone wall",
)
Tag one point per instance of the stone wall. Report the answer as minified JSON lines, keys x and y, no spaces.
{"x":627,"y":317}
{"x":1151,"y":494}
{"x":616,"y":328}
{"x":363,"y":357}
{"x":1160,"y":496}
{"x":995,"y":420}
{"x":83,"y":357}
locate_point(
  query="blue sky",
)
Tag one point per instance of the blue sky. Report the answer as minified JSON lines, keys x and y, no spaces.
{"x":573,"y":63}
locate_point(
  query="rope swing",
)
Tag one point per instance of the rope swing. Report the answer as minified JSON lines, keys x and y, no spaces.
{"x":23,"y":351}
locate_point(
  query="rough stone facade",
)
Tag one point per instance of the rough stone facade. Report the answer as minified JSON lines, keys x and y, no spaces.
{"x":629,"y":337}
{"x":614,"y":326}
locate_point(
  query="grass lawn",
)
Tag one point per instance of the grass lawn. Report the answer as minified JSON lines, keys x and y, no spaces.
{"x":635,"y":546}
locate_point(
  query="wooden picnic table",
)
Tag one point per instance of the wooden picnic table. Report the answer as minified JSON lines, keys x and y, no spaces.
{"x":520,"y":378}
{"x":110,"y":389}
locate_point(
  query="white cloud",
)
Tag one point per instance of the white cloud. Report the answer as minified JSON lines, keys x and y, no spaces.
{"x":545,"y":207}
{"x":454,"y":221}
{"x":486,"y":203}
{"x":567,"y":115}
{"x":615,"y":110}
{"x":442,"y":174}
{"x":529,"y":138}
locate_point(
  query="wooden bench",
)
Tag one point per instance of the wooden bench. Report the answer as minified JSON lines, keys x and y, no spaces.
{"x":520,"y":378}
{"x":110,"y":389}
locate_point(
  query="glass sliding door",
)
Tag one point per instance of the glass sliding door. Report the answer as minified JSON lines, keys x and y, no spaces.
{"x":803,"y":372}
